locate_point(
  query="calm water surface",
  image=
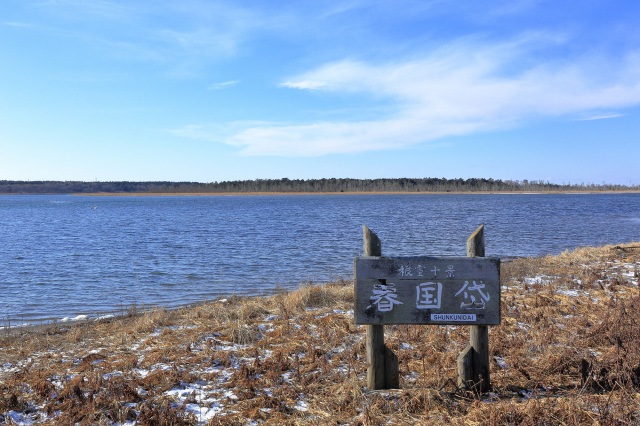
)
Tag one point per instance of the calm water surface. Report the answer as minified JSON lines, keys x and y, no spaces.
{"x":63,"y":256}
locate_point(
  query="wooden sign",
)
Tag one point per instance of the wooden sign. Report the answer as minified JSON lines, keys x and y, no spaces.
{"x":427,"y":290}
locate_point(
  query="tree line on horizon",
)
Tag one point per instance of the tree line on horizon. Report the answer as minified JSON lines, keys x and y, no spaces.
{"x":286,"y":185}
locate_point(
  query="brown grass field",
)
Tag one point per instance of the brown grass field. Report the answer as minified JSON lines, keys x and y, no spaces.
{"x":566,"y":353}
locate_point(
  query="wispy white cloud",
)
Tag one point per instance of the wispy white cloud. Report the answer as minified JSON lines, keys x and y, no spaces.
{"x":509,"y":8}
{"x":599,"y":116}
{"x":463,"y":88}
{"x":81,"y":9}
{"x":304,"y":85}
{"x":182,"y":36}
{"x":15,"y":24}
{"x":222,"y":85}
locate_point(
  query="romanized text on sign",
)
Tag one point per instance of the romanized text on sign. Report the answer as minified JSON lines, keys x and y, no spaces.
{"x":427,"y":290}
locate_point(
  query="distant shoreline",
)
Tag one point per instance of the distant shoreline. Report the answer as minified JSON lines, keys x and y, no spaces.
{"x":323,"y":186}
{"x":323,"y":193}
{"x":235,"y":194}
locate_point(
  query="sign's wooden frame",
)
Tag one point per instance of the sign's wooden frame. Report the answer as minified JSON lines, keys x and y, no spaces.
{"x":427,"y":290}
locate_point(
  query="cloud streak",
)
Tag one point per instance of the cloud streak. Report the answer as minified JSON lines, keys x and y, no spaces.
{"x":599,"y":116}
{"x":222,"y":85}
{"x":460,"y":89}
{"x":197,"y":34}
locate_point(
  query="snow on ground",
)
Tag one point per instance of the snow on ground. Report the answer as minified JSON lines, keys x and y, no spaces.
{"x":624,"y":271}
{"x":203,"y":398}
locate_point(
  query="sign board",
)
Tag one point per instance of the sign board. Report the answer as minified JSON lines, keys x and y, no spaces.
{"x":427,"y":290}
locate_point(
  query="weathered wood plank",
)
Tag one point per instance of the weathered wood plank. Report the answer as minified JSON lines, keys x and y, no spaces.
{"x":391,"y":369}
{"x":382,"y":370}
{"x":475,"y":243}
{"x":372,"y":246}
{"x":479,"y":334}
{"x":376,"y":357}
{"x":479,"y":341}
{"x":465,"y":367}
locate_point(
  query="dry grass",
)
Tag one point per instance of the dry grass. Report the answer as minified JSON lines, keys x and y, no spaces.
{"x":567,"y":352}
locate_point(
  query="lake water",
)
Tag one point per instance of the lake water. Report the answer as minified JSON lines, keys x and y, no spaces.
{"x":63,"y":256}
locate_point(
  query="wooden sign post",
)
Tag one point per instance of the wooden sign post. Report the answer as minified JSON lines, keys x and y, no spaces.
{"x":473,"y":362}
{"x":425,"y":290}
{"x":382,"y":370}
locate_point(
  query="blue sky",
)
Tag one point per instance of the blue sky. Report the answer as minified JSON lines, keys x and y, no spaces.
{"x":213,"y":90}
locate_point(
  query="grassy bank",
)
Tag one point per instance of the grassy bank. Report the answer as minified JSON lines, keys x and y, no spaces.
{"x":567,"y":352}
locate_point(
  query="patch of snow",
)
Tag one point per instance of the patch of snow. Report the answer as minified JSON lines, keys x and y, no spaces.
{"x":76,"y":318}
{"x":572,"y":293}
{"x":161,"y":366}
{"x":411,"y":377}
{"x":141,"y":372}
{"x":9,"y":368}
{"x":286,"y":376}
{"x":228,"y":346}
{"x":266,"y":328}
{"x":526,"y":394}
{"x":523,"y":326}
{"x":196,"y":399}
{"x":116,"y":373}
{"x":337,"y":350}
{"x":210,"y":370}
{"x":405,"y":346}
{"x":180,"y":393}
{"x":501,"y":362}
{"x":491,"y":397}
{"x":203,"y":413}
{"x":181,"y":327}
{"x":229,"y":394}
{"x":102,"y":317}
{"x":539,"y":279}
{"x":21,"y":419}
{"x":301,"y":404}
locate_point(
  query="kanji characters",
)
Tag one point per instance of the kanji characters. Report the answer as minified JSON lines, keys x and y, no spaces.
{"x":450,"y":271}
{"x":467,"y":290}
{"x":384,"y":297}
{"x":428,"y":295}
